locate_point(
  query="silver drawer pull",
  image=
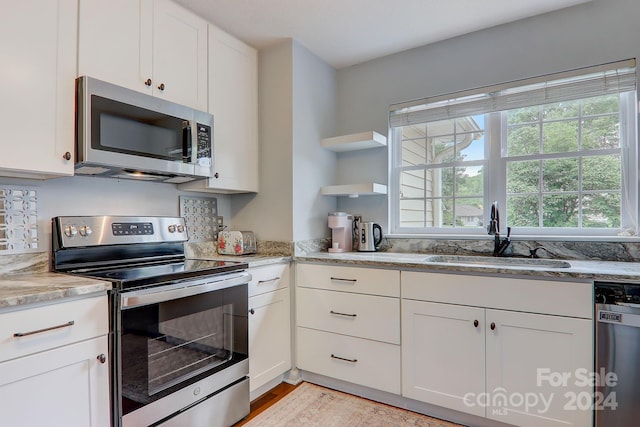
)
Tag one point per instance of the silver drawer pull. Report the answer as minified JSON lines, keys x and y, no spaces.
{"x":64,"y":325}
{"x":260,"y":282}
{"x":343,"y":280}
{"x":342,"y":314}
{"x":333,"y":356}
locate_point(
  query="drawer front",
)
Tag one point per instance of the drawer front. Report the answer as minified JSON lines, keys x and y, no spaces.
{"x":269,"y":278}
{"x":349,"y":279}
{"x":559,"y":298}
{"x":358,"y":315}
{"x":368,"y":363}
{"x":51,"y":326}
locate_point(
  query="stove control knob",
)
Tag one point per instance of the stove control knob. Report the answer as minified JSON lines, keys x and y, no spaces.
{"x":180,"y":228}
{"x":85,"y":231}
{"x":70,"y":230}
{"x":172,"y":228}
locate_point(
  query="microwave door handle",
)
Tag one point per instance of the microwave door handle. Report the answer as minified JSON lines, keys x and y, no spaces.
{"x":187,"y":148}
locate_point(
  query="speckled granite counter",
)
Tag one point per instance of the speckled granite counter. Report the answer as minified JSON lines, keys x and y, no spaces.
{"x":583,"y":270}
{"x":22,"y":289}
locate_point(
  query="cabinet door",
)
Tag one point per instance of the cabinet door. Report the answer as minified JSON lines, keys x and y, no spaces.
{"x":179,"y":55}
{"x":269,"y":336}
{"x":114,"y":42}
{"x":518,"y":347}
{"x":233,"y":101}
{"x":443,"y":354}
{"x":38,"y":55}
{"x":64,"y":387}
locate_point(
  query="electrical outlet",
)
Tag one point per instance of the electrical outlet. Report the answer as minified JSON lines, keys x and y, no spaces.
{"x":220,"y":222}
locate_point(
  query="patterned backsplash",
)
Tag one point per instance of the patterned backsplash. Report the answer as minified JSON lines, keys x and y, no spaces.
{"x":18,"y":220}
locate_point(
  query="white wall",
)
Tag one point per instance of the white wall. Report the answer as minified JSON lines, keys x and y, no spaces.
{"x":314,"y":100}
{"x":593,"y":33}
{"x":103,"y":196}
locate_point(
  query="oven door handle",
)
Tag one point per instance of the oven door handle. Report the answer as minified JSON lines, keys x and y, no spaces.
{"x":181,"y":290}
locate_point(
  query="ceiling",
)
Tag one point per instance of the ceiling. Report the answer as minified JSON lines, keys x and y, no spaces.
{"x":348,"y":32}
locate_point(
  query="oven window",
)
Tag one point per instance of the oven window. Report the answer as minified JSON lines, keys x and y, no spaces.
{"x":165,"y":345}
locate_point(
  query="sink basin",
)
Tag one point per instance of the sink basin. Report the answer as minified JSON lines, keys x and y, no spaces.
{"x":498,"y":261}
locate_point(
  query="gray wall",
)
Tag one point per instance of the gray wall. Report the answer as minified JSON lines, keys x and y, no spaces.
{"x":296,"y":109}
{"x":593,"y":33}
{"x":314,"y":100}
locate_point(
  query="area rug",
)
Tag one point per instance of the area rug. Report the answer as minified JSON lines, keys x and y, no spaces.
{"x":310,"y":405}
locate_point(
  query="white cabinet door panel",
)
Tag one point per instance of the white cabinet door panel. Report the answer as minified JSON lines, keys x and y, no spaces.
{"x":520,"y":345}
{"x":443,"y":354}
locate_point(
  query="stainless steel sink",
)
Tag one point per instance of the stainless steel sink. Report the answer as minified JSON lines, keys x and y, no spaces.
{"x":498,"y":261}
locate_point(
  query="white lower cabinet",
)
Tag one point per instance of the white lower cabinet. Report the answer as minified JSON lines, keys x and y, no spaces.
{"x":56,"y":373}
{"x":269,"y":324}
{"x":501,"y":364}
{"x":348,"y":324}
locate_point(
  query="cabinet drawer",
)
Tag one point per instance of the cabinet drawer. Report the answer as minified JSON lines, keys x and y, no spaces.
{"x":573,"y":299}
{"x":350,"y":279}
{"x":368,"y":363}
{"x":364,"y":316}
{"x":50,"y":326}
{"x":269,"y":278}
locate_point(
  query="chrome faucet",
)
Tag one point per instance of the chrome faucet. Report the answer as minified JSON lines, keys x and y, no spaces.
{"x":493,"y":229}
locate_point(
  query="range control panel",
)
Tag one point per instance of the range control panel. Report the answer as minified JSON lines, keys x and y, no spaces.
{"x":112,"y":230}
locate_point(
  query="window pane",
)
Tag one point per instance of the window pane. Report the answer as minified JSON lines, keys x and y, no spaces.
{"x":523,"y":211}
{"x":446,"y":212}
{"x":469,"y":181}
{"x":523,"y":115}
{"x":414,"y":145}
{"x":560,"y":137}
{"x":412,"y":213}
{"x":560,"y":175}
{"x":441,"y":149}
{"x":560,"y":110}
{"x":470,"y":146}
{"x":523,"y":177}
{"x":469,"y":212}
{"x":412,"y":184}
{"x":601,"y":105}
{"x":444,"y":180}
{"x":601,"y":173}
{"x":560,"y":211}
{"x":600,"y":132}
{"x":523,"y":140}
{"x":601,"y":210}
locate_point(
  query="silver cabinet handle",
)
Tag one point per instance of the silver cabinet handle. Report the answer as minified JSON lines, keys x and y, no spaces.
{"x":333,"y":356}
{"x":260,"y":282}
{"x":342,"y":314}
{"x":24,"y":334}
{"x":339,"y":279}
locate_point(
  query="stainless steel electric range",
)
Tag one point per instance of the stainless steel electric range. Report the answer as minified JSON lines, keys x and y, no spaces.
{"x":178,"y":327}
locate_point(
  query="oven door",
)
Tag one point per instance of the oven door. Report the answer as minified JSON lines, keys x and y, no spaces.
{"x":179,"y":344}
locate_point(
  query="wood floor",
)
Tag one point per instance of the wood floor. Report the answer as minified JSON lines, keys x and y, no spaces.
{"x":266,"y":400}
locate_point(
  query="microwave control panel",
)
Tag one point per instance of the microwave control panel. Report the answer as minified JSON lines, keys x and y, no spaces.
{"x":204,"y":141}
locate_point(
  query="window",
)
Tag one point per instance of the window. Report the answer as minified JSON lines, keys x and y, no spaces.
{"x":558,"y":153}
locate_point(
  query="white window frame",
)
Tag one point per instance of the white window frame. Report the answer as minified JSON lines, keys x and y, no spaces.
{"x":495,"y":175}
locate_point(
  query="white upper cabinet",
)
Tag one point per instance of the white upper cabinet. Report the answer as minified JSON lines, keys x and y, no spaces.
{"x":152,"y":46}
{"x":233,"y":101}
{"x":38,"y":55}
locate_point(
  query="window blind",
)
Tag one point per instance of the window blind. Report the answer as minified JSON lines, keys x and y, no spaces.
{"x":605,"y":79}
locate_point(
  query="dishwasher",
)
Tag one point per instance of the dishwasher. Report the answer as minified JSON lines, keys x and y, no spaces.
{"x":617,"y":375}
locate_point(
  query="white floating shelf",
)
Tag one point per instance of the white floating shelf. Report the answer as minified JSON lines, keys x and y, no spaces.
{"x":354,"y":190}
{"x":356,"y":141}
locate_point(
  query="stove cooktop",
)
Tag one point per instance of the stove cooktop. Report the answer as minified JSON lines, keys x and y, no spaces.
{"x":136,"y":276}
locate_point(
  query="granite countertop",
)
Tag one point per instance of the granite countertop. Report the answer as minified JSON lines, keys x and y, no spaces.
{"x":23,"y":289}
{"x":579,"y":269}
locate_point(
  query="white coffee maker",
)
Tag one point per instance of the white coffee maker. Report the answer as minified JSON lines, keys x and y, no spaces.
{"x":341,"y":224}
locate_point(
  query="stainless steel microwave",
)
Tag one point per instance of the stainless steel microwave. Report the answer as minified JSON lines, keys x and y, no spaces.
{"x":123,"y":133}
